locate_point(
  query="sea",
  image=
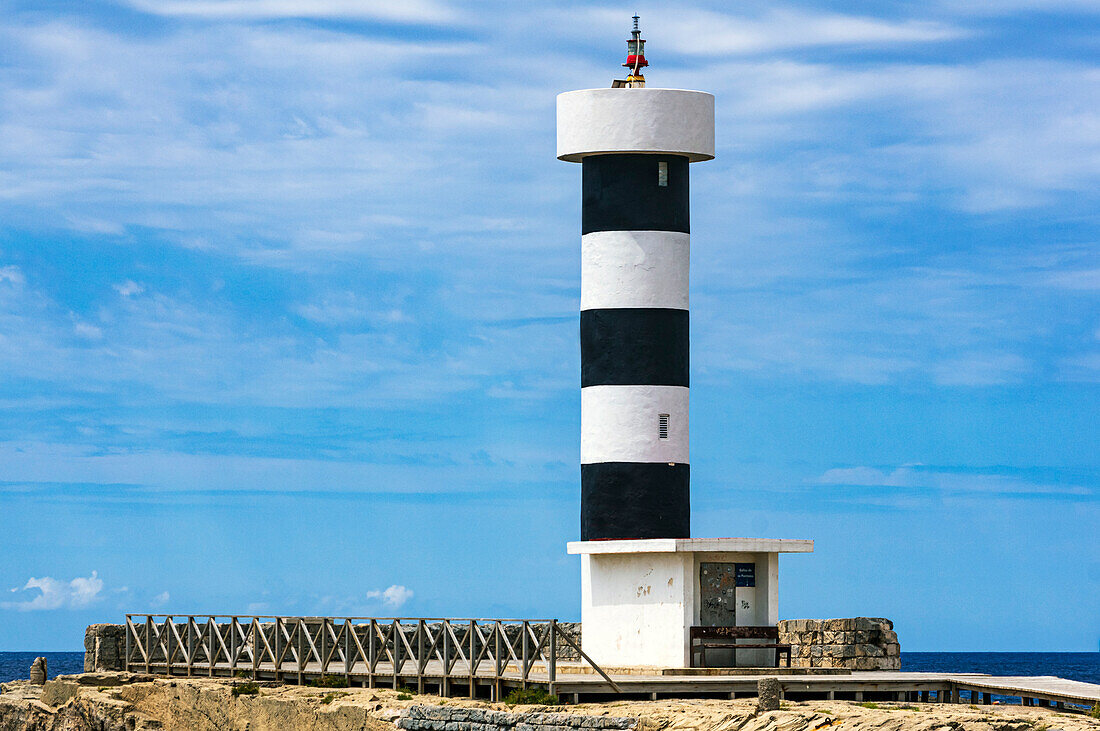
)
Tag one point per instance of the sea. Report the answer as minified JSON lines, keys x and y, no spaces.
{"x":1083,"y":666}
{"x":17,"y":665}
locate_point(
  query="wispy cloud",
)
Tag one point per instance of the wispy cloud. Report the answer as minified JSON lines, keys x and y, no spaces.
{"x":393,"y":597}
{"x":47,"y":593}
{"x":412,"y":241}
{"x":11,"y":275}
{"x":1012,"y":7}
{"x":706,"y":33}
{"x":957,"y":482}
{"x":410,"y":11}
{"x":129,"y":288}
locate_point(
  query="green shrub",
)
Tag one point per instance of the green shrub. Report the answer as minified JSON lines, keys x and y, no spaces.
{"x":867,"y":705}
{"x":329,"y":681}
{"x":530,"y":697}
{"x":404,"y":696}
{"x":1095,"y":712}
{"x":330,"y":697}
{"x":246,"y":689}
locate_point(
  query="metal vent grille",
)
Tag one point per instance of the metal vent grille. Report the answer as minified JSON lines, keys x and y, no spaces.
{"x":662,"y":174}
{"x":662,"y":426}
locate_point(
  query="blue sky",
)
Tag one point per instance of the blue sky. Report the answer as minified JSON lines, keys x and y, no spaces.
{"x":289,"y":292}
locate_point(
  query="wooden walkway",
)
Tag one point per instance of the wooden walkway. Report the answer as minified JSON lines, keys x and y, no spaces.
{"x":578,"y":686}
{"x":879,"y":685}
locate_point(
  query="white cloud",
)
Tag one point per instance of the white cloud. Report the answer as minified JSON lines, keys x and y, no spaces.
{"x":88,"y":331}
{"x":11,"y":274}
{"x":79,"y":593}
{"x":349,"y":308}
{"x":160,"y":600}
{"x":94,"y":225}
{"x":129,"y":288}
{"x":394,"y":597}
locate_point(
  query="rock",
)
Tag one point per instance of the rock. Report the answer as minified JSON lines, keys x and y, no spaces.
{"x":767,"y":695}
{"x":57,"y":692}
{"x":202,"y":704}
{"x":437,"y":718}
{"x":38,"y":671}
{"x":107,"y":679}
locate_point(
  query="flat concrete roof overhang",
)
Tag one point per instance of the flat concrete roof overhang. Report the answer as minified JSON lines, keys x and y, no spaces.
{"x":694,"y":545}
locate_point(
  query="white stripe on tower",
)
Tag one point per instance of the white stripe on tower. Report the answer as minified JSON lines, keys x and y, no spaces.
{"x":623,"y":424}
{"x":634,"y":269}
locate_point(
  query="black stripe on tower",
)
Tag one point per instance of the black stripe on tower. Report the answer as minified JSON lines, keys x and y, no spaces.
{"x":644,"y":346}
{"x":635,"y":347}
{"x":623,"y":193}
{"x":635,"y":500}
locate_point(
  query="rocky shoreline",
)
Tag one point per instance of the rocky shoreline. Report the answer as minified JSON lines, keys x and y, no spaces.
{"x":116,"y":701}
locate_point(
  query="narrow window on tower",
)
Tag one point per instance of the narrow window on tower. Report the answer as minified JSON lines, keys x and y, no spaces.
{"x":662,"y":426}
{"x":662,"y":174}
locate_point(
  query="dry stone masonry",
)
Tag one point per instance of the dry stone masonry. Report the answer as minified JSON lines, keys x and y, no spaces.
{"x":860,"y":643}
{"x":447,"y":718}
{"x":104,"y":647}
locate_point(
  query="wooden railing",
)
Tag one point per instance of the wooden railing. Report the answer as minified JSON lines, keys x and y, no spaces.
{"x":493,"y":653}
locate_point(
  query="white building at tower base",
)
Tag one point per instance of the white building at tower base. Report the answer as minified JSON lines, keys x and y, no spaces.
{"x":639,"y":599}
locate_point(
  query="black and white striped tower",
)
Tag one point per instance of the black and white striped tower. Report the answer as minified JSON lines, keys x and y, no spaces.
{"x":635,"y":145}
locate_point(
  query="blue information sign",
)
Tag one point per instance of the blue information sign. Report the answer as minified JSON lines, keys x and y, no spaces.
{"x":745,"y":573}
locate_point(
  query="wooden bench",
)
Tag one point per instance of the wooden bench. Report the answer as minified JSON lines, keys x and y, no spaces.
{"x":726,"y":638}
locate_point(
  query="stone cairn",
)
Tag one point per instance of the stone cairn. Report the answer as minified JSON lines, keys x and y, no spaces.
{"x":861,"y":643}
{"x":767,"y":695}
{"x":38,"y":671}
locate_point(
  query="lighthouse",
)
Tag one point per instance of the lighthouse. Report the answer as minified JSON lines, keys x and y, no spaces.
{"x":644,"y":581}
{"x":635,"y":146}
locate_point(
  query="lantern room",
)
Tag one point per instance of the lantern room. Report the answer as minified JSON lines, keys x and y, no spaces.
{"x":635,"y":49}
{"x":635,"y":60}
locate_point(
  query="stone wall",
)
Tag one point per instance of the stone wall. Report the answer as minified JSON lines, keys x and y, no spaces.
{"x":449,"y":718}
{"x":861,"y":643}
{"x":104,"y":647}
